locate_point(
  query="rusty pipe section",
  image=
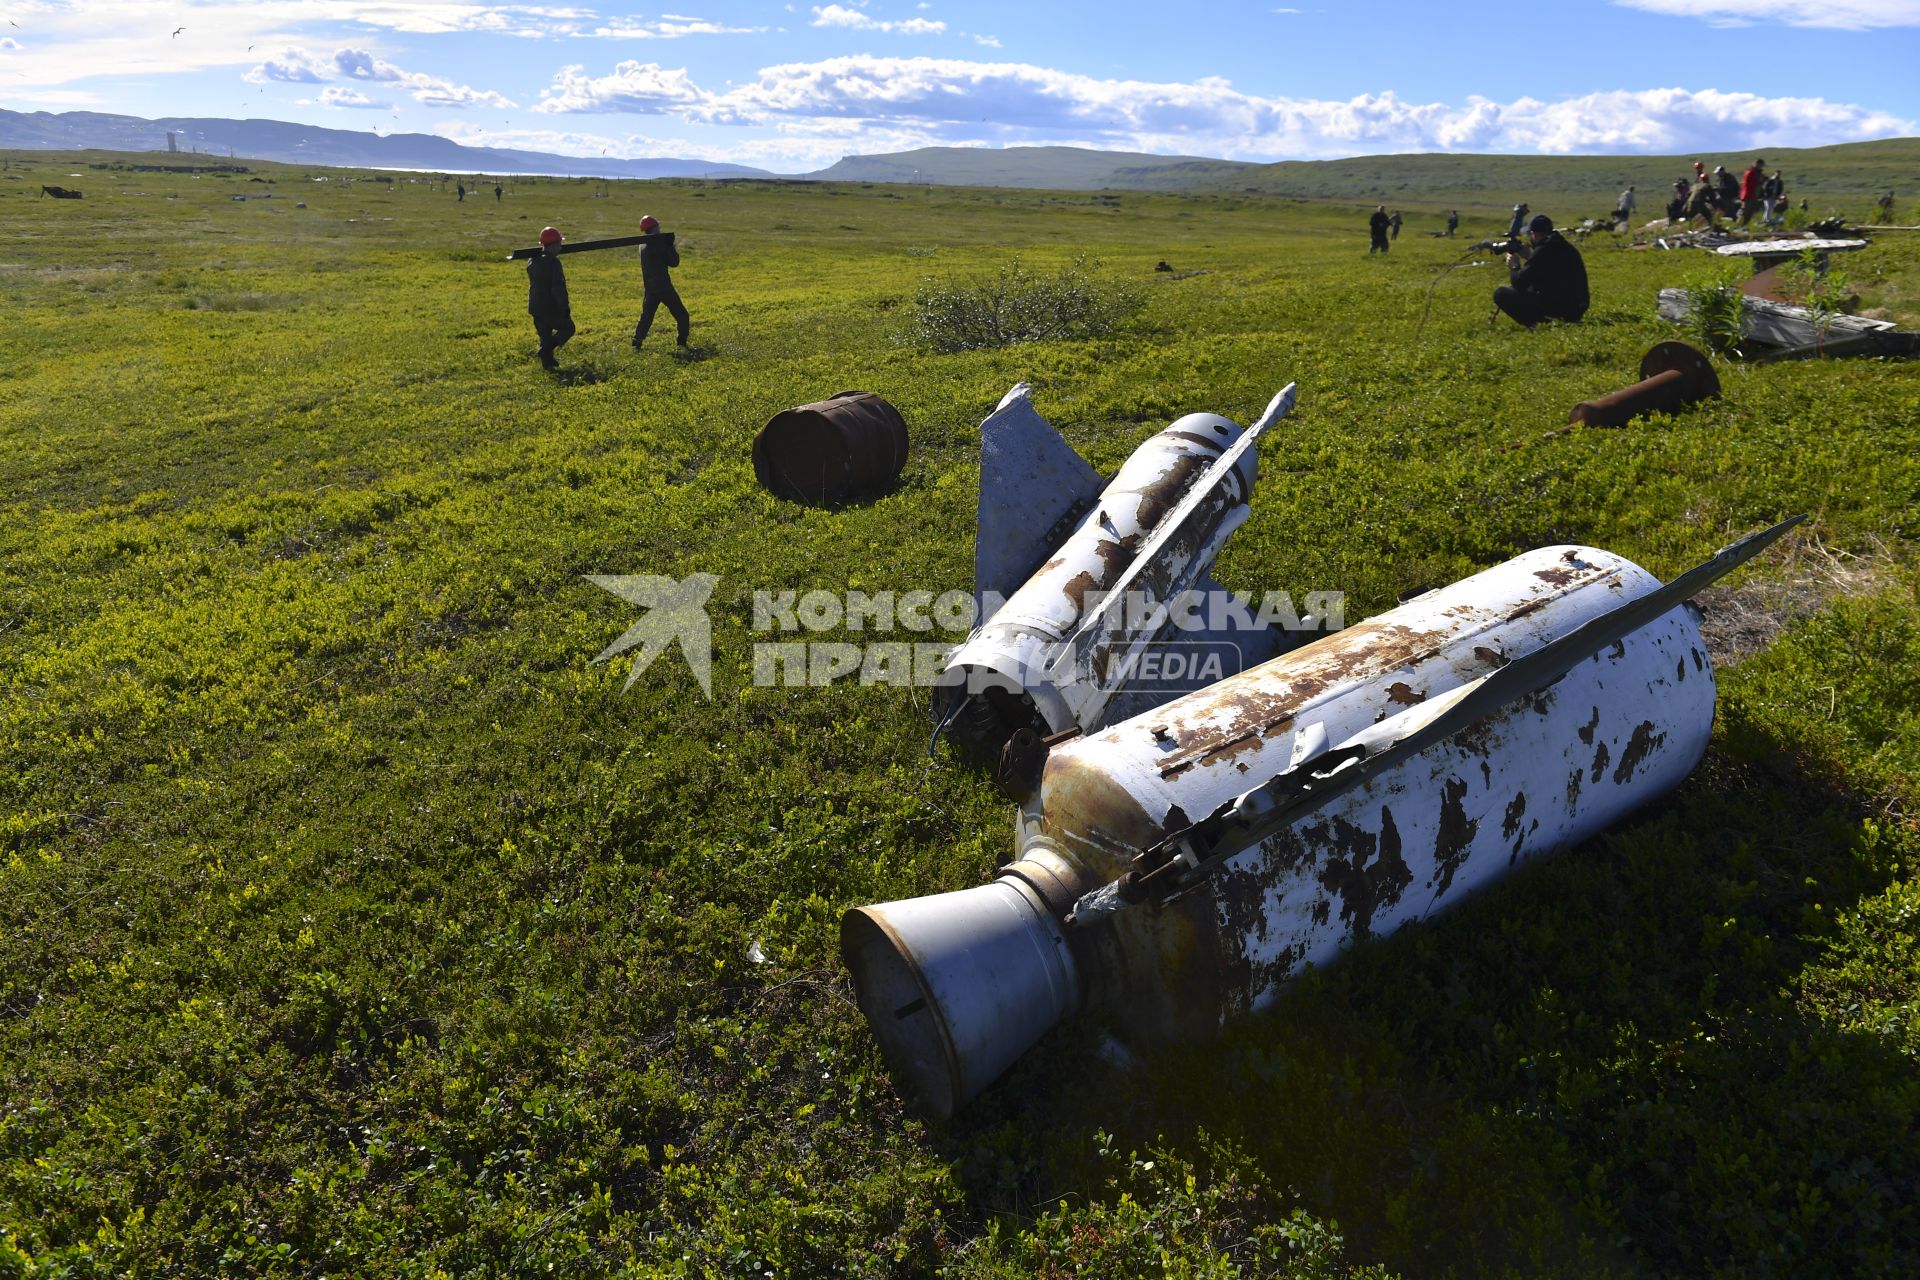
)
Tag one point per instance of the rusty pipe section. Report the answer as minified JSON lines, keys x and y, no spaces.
{"x":1546,"y":772}
{"x":1039,"y":661}
{"x":1672,"y":375}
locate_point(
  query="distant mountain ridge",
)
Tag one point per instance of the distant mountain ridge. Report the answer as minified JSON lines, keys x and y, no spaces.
{"x":1430,"y":179}
{"x":1843,"y":169}
{"x":292,"y":143}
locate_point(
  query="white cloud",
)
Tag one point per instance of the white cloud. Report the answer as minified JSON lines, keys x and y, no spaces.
{"x":835,"y":15}
{"x":435,"y":17}
{"x":996,"y":103}
{"x":290,"y":66}
{"x":1846,"y":15}
{"x":990,"y":42}
{"x":667,"y":27}
{"x":336,"y":96}
{"x":639,"y":88}
{"x":432,"y":91}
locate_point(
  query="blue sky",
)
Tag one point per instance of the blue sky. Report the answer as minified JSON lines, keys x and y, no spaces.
{"x":792,"y":87}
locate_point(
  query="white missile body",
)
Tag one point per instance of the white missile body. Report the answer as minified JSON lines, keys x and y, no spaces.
{"x":957,"y":986}
{"x":1082,"y":570}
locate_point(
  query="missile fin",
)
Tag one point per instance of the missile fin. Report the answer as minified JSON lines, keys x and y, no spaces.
{"x":1033,"y":488}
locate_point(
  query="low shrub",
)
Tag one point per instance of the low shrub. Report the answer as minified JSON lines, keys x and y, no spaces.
{"x":1716,"y":314}
{"x":1018,"y":305}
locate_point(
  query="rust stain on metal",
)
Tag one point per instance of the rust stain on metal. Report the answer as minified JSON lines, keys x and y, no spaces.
{"x":1192,"y":438}
{"x":1600,"y":757}
{"x":1204,"y":727}
{"x":1078,"y":586}
{"x":1491,"y":656}
{"x":1116,"y":556}
{"x":1085,"y":807}
{"x":1510,"y":823}
{"x":1404,"y":694}
{"x":1228,"y":750}
{"x":1368,"y":872}
{"x":1455,"y":837}
{"x":1680,"y":671}
{"x":1557,"y":576}
{"x":1160,"y":497}
{"x":1644,"y":742}
{"x":1573,"y":789}
{"x":1586,"y":730}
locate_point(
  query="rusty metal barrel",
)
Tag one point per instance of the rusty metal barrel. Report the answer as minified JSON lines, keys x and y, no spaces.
{"x":853,"y":443}
{"x":1672,"y":374}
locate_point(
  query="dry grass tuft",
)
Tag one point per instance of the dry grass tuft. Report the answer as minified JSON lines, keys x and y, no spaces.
{"x":1801,"y":580}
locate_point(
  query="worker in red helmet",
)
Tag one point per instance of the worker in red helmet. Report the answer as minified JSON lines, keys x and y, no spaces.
{"x":547,"y":298}
{"x":656,"y":259}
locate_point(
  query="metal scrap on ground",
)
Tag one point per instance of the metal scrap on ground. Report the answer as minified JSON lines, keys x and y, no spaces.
{"x":851,"y":444}
{"x":1672,"y":374}
{"x":1788,"y":331}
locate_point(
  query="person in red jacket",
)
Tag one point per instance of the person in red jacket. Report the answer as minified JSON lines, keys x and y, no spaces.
{"x":1750,"y":183}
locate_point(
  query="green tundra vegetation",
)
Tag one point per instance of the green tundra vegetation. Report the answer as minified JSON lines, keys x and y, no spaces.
{"x":354,"y":922}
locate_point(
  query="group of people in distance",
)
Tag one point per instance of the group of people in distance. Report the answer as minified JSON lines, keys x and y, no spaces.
{"x":1711,"y":196}
{"x":553,"y":315}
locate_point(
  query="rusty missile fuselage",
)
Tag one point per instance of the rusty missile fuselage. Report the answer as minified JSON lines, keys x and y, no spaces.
{"x":1060,"y":650}
{"x":1542,"y":773}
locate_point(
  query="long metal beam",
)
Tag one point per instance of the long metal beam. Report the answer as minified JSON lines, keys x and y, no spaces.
{"x":618,"y":242}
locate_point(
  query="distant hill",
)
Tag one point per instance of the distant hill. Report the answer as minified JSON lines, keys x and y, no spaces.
{"x":312,"y":144}
{"x":1848,"y":169}
{"x":1049,"y":168}
{"x":1853,"y":168}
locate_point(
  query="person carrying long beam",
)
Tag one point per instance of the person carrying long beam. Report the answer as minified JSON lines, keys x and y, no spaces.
{"x":656,"y":260}
{"x":547,"y":298}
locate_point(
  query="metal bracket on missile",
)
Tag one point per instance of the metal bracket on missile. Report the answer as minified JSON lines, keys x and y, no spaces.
{"x":1187,"y":858}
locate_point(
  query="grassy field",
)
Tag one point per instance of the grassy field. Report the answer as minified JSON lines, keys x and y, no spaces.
{"x":353,"y":923}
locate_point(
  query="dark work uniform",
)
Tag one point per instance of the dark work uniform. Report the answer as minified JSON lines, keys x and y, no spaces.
{"x":658,"y":290}
{"x":1549,"y":285}
{"x":1377,"y":224}
{"x":547,"y":304}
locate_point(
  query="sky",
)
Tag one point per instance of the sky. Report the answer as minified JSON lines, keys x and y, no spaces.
{"x":793,"y":87}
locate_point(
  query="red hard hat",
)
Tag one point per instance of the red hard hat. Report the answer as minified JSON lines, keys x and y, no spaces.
{"x":649,"y":223}
{"x":550,"y":235}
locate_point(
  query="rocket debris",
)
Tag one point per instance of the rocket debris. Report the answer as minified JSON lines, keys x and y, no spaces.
{"x":1342,"y":790}
{"x":1075,"y":562}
